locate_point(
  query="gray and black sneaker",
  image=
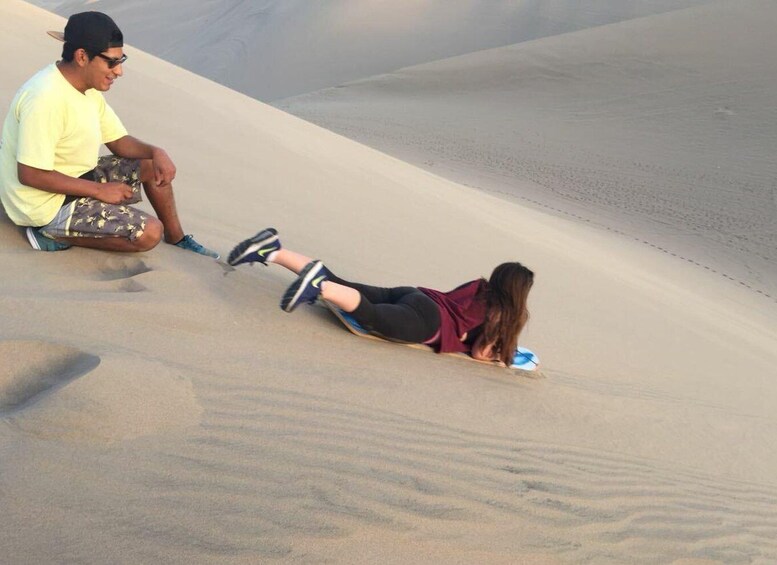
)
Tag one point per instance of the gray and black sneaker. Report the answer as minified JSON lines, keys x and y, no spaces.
{"x":307,"y":287}
{"x":255,"y":249}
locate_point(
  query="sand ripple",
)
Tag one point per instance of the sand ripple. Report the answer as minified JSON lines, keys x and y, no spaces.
{"x":280,"y":474}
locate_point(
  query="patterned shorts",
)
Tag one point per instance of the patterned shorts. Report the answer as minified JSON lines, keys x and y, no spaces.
{"x":89,"y":217}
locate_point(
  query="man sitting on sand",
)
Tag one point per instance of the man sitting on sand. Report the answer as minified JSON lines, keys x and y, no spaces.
{"x":51,"y":179}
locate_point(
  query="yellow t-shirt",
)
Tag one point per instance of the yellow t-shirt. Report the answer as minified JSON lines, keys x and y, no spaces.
{"x":53,"y":127}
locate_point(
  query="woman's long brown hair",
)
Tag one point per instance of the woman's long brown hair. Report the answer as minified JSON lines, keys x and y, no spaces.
{"x":506,"y":312}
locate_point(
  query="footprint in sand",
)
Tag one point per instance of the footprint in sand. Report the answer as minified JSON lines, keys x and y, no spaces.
{"x":122,"y":271}
{"x":723,"y":111}
{"x":31,"y":369}
{"x":115,"y":268}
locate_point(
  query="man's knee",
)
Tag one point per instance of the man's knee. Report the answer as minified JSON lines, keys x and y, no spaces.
{"x":151,"y":236}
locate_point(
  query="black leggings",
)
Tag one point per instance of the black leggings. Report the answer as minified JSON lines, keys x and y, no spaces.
{"x":401,"y":313}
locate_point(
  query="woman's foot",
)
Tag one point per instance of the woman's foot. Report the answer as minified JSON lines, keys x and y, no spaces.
{"x":257,"y":249}
{"x":307,"y":287}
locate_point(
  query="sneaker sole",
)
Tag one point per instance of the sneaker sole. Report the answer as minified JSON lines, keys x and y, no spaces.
{"x":252,"y":248}
{"x":288,"y":304}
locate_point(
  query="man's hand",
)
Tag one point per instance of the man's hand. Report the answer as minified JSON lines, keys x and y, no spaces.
{"x":114,"y":192}
{"x":164,"y":169}
{"x":132,"y":148}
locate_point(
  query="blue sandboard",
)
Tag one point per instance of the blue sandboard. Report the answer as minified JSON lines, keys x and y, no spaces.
{"x":524,"y":359}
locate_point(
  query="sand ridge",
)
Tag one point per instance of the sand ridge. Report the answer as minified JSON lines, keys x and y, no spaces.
{"x":32,"y":368}
{"x":272,"y":49}
{"x":657,"y":129}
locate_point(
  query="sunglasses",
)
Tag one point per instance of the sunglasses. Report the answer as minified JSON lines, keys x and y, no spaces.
{"x":113,"y":61}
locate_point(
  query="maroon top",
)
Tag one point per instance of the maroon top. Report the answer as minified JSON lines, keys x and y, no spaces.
{"x":461,"y":310}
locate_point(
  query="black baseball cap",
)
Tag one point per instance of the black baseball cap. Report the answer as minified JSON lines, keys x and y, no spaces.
{"x":93,"y":31}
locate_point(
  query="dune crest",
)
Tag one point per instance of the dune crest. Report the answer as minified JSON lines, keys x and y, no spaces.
{"x":272,"y":49}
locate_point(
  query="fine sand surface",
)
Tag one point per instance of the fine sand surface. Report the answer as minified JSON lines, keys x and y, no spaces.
{"x":271,"y":49}
{"x":661,"y":128}
{"x":159,"y":408}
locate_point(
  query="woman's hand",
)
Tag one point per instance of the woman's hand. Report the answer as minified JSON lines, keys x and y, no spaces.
{"x":483,"y":351}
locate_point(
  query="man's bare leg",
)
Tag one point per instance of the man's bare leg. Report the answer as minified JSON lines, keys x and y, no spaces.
{"x":162,"y":200}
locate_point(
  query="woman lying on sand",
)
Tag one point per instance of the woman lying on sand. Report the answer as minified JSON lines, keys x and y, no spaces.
{"x":482,"y":318}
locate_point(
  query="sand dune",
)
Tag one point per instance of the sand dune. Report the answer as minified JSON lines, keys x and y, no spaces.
{"x":216,"y":428}
{"x":272,"y":49}
{"x":661,"y":128}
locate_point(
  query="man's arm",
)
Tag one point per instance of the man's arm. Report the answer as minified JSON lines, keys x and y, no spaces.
{"x":53,"y":181}
{"x":132,"y":148}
